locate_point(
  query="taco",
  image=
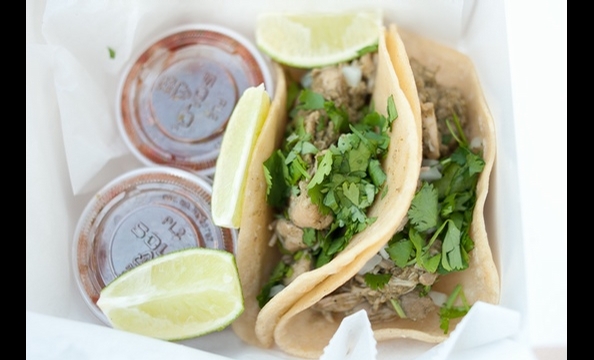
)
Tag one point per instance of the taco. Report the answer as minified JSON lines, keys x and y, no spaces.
{"x":420,"y":282}
{"x":271,"y":267}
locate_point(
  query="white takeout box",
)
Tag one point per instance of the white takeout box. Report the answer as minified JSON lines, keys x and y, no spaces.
{"x":74,"y":148}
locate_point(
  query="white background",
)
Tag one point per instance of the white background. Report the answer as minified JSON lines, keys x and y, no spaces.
{"x":537,"y":31}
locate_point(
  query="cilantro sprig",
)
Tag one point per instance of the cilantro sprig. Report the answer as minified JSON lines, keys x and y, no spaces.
{"x":276,"y":278}
{"x":367,"y":49}
{"x":448,"y":311}
{"x":442,"y":210}
{"x":377,"y":281}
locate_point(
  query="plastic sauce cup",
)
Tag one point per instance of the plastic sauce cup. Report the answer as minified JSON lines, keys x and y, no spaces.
{"x":175,"y":99}
{"x":138,"y":216}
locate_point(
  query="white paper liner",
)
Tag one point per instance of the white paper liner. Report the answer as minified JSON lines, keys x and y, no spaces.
{"x":73,"y":148}
{"x":353,"y":339}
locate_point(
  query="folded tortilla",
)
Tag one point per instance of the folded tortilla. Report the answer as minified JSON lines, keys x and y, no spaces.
{"x":305,"y":332}
{"x":256,"y":259}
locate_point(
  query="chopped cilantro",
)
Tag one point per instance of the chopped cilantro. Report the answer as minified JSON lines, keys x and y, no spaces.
{"x":309,"y":236}
{"x":384,"y":191}
{"x":292,"y":93}
{"x":392,"y":111}
{"x":308,"y":148}
{"x":276,"y":278}
{"x":377,"y":281}
{"x":367,"y":49}
{"x":309,"y":100}
{"x":323,"y":170}
{"x":400,"y":252}
{"x":423,"y":212}
{"x":275,"y":173}
{"x":399,"y":310}
{"x":378,"y":176}
{"x":448,"y":311}
{"x":348,"y":176}
{"x":431,"y":263}
{"x":351,"y":191}
{"x":458,"y":134}
{"x":112,"y":52}
{"x":450,"y":250}
{"x":436,"y":236}
{"x":323,"y":259}
{"x":359,"y":156}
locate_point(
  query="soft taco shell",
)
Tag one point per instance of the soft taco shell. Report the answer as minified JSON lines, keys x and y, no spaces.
{"x":305,"y":332}
{"x":255,"y":259}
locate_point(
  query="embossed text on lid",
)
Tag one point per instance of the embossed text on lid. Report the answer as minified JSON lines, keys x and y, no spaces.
{"x":176,"y":98}
{"x":137,"y":217}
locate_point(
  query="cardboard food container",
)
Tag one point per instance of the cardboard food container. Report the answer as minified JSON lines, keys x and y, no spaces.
{"x":77,"y":53}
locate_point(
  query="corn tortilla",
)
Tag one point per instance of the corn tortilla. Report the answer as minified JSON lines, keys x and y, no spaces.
{"x":255,"y":259}
{"x":305,"y":332}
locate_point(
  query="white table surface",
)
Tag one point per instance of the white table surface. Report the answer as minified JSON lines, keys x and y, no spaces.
{"x":537,"y":31}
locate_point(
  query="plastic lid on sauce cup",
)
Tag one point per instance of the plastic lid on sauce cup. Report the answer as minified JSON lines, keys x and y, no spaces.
{"x":176,"y":98}
{"x":138,"y":216}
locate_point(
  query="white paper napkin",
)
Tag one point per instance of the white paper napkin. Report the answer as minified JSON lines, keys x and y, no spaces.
{"x":50,"y":337}
{"x":486,"y":326}
{"x":486,"y":332}
{"x":353,"y":339}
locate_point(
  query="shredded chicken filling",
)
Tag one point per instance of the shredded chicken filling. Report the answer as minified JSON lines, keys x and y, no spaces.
{"x":349,"y":85}
{"x":405,"y":294}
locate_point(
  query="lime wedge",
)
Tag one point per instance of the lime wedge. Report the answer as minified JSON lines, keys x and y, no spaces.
{"x":176,"y":296}
{"x":243,"y":129}
{"x":317,"y":39}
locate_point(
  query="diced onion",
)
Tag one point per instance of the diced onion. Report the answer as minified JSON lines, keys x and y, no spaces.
{"x":370,"y":264}
{"x":276,"y":289}
{"x":383,"y":253}
{"x":352,"y":75}
{"x":438,"y":298}
{"x":429,"y":162}
{"x":430,"y":174}
{"x":306,"y":80}
{"x":476,"y":143}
